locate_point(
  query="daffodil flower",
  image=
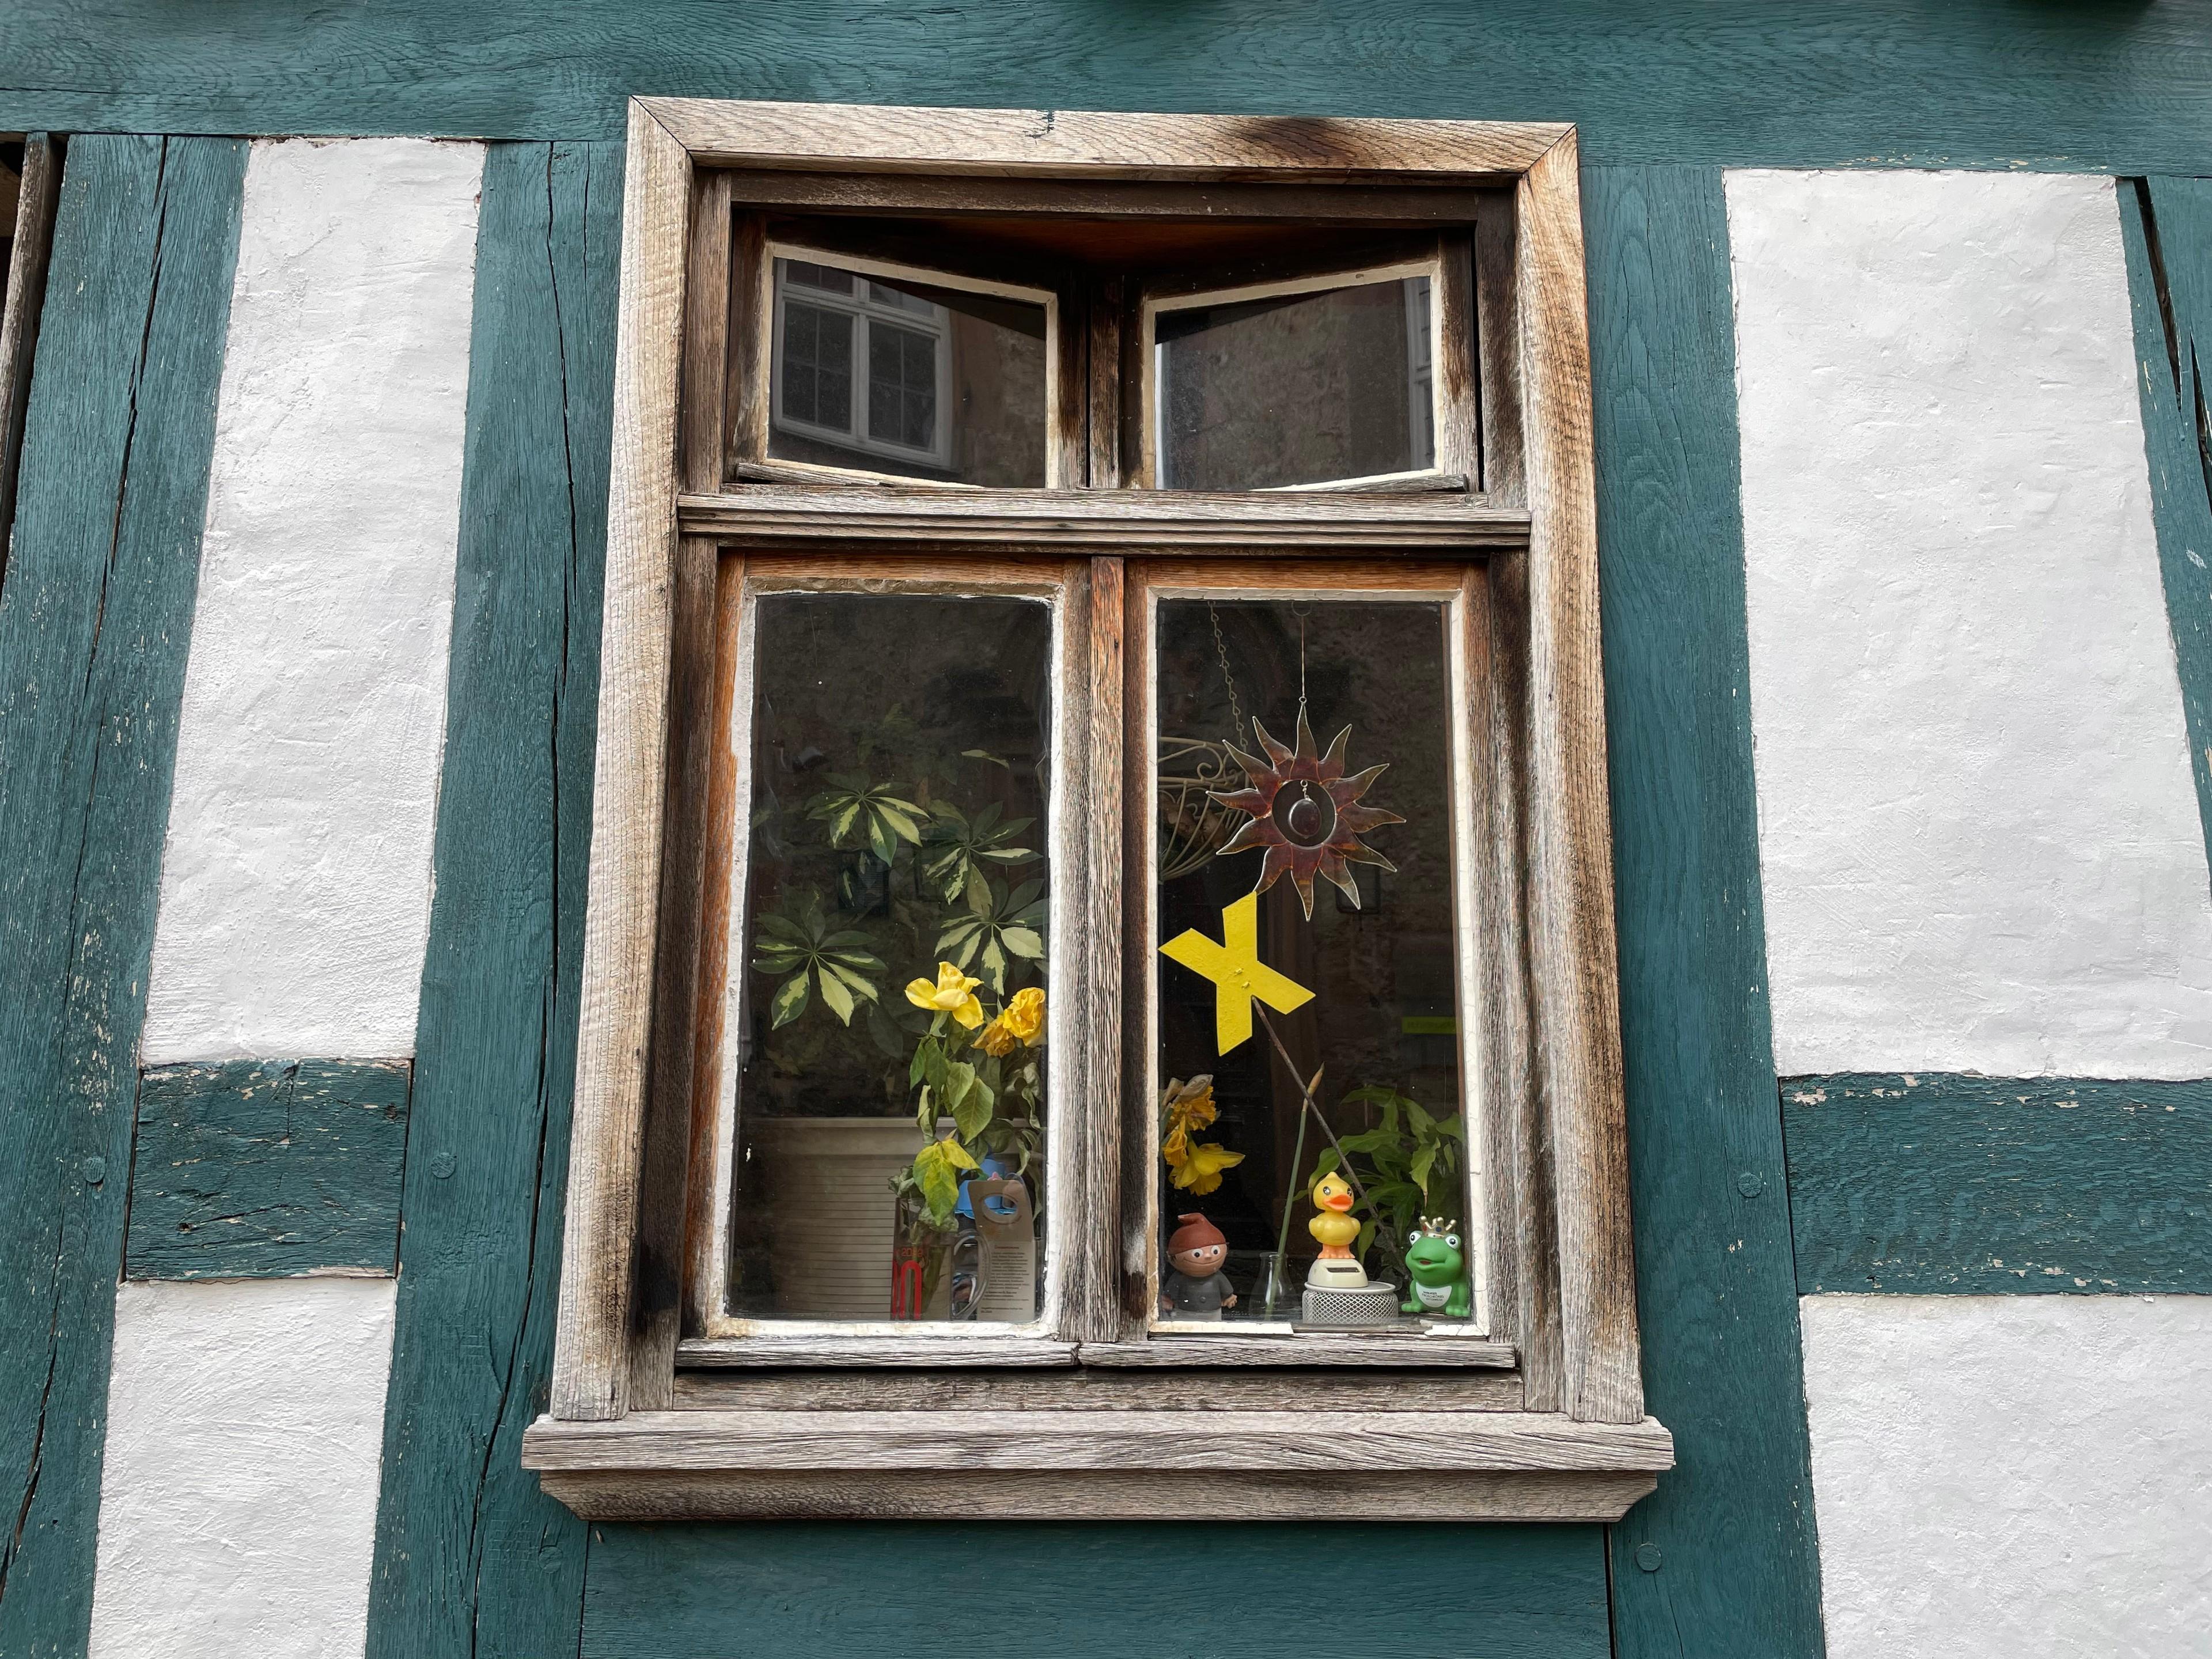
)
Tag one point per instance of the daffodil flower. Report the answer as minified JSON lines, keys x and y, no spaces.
{"x":954,"y":994}
{"x":1199,"y":1171}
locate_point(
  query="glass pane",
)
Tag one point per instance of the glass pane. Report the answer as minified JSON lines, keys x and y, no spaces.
{"x":818,"y":366}
{"x":902,"y":385}
{"x":891,"y":1085}
{"x":956,"y":380}
{"x":1308,"y":926}
{"x":1299,"y":389}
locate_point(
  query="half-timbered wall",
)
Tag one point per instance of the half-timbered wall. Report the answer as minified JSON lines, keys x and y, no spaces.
{"x":1903,"y":528}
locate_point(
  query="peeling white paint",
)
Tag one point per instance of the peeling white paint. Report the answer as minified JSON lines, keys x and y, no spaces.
{"x":295,"y":887}
{"x":1979,"y":840}
{"x":2000,"y":1477}
{"x":238,"y":1502}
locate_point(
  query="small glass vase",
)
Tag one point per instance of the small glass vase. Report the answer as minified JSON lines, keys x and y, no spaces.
{"x":1277,"y":1297}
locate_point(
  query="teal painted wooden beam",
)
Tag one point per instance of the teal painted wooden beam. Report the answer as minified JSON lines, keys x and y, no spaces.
{"x":2166,"y":227}
{"x":253,"y":1168}
{"x":1720,"y":1561}
{"x":1930,"y":1185}
{"x":2083,"y":85}
{"x":470,"y":1556}
{"x":802,"y":1590}
{"x":94,"y":625}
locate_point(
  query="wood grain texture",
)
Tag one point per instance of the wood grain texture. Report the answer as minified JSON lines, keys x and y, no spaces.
{"x":95,"y":621}
{"x":1574,"y":999}
{"x":1092,"y":1388}
{"x":2165,"y":227}
{"x":702,"y":1212}
{"x":1503,"y":477}
{"x":665,"y":1153}
{"x":2069,"y":84}
{"x":1197,"y":1440}
{"x":1523,"y":1295}
{"x":953,"y":1346}
{"x":1091,"y":704}
{"x":31,"y":233}
{"x":1181,"y":1352}
{"x":1734,"y":1523}
{"x":591,"y":1369}
{"x":1092,"y":1592}
{"x":1424,"y":1497}
{"x":1367,"y":203}
{"x":268,"y":1169}
{"x":1973,"y":1186}
{"x":752,"y":311}
{"x":825,"y":137}
{"x":470,"y":1557}
{"x":715,"y":266}
{"x":1131,"y":522}
{"x":1456,"y":356}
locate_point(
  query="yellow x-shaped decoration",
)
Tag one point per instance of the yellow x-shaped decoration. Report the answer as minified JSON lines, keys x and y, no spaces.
{"x":1237,"y":971}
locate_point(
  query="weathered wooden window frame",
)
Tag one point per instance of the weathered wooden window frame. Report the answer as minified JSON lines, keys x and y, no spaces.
{"x":645,"y":1422}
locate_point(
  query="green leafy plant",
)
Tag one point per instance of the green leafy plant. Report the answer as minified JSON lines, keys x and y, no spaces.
{"x":1407,"y":1155}
{"x":864,"y":814}
{"x":1000,"y":926}
{"x":809,"y":957}
{"x":954,"y":846}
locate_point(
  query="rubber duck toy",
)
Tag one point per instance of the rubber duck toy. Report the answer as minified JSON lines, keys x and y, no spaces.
{"x":1336,"y":1268}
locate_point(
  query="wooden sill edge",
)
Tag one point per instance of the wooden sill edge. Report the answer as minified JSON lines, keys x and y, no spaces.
{"x":1161,"y":1353}
{"x":1190,"y":1464}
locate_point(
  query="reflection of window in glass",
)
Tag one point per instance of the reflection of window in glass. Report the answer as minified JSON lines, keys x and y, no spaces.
{"x":1307,"y":387}
{"x":1308,"y":1011}
{"x":956,"y":380}
{"x":890,"y":1092}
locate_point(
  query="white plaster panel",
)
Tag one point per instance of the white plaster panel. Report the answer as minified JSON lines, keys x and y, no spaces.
{"x":2002,"y":1476}
{"x":1979,"y":840}
{"x":237,"y":1505}
{"x":295,"y":887}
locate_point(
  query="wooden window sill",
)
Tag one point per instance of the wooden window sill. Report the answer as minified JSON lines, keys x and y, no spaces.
{"x":1189,"y":1462}
{"x":1135,"y":522}
{"x":1164,"y":1351}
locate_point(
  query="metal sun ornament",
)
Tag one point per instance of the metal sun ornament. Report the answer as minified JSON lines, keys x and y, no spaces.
{"x":1313,"y":831}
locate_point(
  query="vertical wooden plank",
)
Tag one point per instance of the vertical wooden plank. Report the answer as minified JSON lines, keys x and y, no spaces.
{"x":1497,"y":307}
{"x":95,"y":625}
{"x":1067,"y":421}
{"x":1458,"y":380}
{"x":751,"y":297}
{"x":1138,"y":804}
{"x":1092,"y":706}
{"x":470,"y":1556}
{"x":656,"y":1294}
{"x":706,"y":333}
{"x":1523,"y":1291}
{"x":1102,"y":370}
{"x":718,"y":916}
{"x":1731,"y":1527}
{"x":33,"y":234}
{"x":1571,"y":948}
{"x":2165,"y":227}
{"x":591,"y":1377}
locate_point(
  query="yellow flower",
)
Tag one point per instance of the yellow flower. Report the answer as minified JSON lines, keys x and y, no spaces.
{"x":1018,"y":1022}
{"x":1025,"y":1015}
{"x":1199,"y":1171}
{"x":1188,"y":1107}
{"x":954,"y":994}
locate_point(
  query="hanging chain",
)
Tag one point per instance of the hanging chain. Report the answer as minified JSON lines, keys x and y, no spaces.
{"x":1304,"y":792}
{"x":1221,"y":649}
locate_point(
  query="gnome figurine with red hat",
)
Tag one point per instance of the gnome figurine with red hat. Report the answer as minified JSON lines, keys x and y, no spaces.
{"x":1197,"y":1288}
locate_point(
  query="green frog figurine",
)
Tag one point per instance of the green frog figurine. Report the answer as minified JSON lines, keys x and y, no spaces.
{"x":1436,"y":1270}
